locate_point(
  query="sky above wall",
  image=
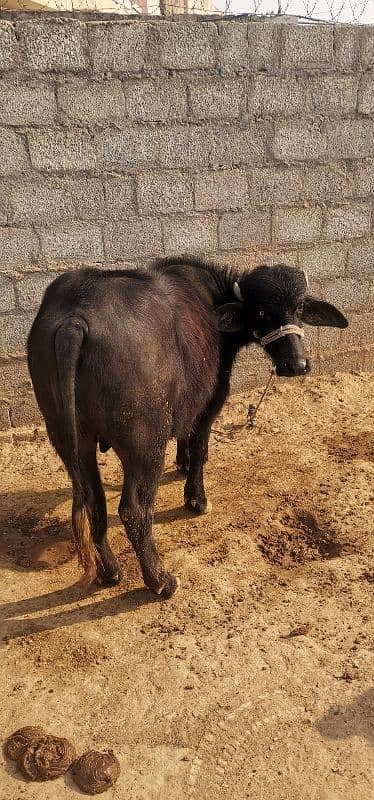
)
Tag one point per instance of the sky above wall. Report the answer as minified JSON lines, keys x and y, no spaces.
{"x":340,"y":10}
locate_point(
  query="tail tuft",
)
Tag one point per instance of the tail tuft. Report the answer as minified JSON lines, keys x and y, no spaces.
{"x":88,"y":555}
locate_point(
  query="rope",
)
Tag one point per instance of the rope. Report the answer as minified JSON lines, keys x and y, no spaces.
{"x":251,"y":414}
{"x":253,"y":408}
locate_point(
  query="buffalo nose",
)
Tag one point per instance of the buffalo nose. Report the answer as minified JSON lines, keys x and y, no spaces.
{"x":299,"y":366}
{"x":291,"y":368}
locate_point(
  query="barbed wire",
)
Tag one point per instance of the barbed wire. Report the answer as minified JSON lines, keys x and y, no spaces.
{"x":350,"y":11}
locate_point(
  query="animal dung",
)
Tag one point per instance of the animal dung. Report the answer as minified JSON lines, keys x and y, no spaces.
{"x":95,"y":772}
{"x":20,"y":740}
{"x":41,"y":757}
{"x":47,"y":758}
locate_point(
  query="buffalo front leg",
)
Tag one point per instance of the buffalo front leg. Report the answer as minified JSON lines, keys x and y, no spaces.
{"x":194,"y":492}
{"x":183,"y":455}
{"x":136,"y":512}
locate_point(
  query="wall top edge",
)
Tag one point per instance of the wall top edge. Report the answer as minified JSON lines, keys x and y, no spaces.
{"x":102,"y":16}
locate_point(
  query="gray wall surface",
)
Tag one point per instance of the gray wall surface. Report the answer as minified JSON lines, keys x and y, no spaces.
{"x":245,"y":141}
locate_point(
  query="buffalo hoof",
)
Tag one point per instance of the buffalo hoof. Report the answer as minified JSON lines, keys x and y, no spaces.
{"x":168,"y":587}
{"x":199,"y":506}
{"x":109,"y":578}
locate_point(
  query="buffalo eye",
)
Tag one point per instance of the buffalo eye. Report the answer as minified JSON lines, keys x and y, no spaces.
{"x":261,"y":313}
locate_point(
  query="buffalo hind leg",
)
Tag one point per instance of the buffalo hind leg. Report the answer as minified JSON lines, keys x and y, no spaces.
{"x":136,"y":512}
{"x":183,"y":455}
{"x":107,"y":567}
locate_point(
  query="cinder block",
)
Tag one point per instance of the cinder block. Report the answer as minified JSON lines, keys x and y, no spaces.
{"x":299,"y":140}
{"x":7,"y":296}
{"x":297,"y":224}
{"x":134,"y":147}
{"x":190,"y":234}
{"x":360,"y":330}
{"x":120,"y":197}
{"x":13,"y":153}
{"x":185,"y":45}
{"x":333,"y":94}
{"x":324,"y":261}
{"x":329,"y":341}
{"x":273,"y":95}
{"x":244,"y":229}
{"x":348,"y":293}
{"x":92,"y":102}
{"x":311,"y":344}
{"x":340,"y":362}
{"x":156,"y":100}
{"x":368,"y":358}
{"x":54,"y":150}
{"x":57,"y":45}
{"x":31,"y":289}
{"x":180,"y":146}
{"x":241,"y":146}
{"x":367,"y":45}
{"x":8,"y":46}
{"x":14,"y":329}
{"x":15,"y":378}
{"x":348,"y":222}
{"x":233,"y":48}
{"x":4,"y":419}
{"x":23,"y":104}
{"x":278,"y":185}
{"x":361,"y":259}
{"x":325,"y":184}
{"x":76,"y":241}
{"x":307,"y":46}
{"x":133,"y":238}
{"x":251,"y":369}
{"x":222,"y":190}
{"x":364,"y":178}
{"x":221,"y":99}
{"x":244,"y":48}
{"x":366,"y":95}
{"x":247,"y":258}
{"x":164,"y":192}
{"x":18,"y":246}
{"x":346,"y":46}
{"x":350,"y":138}
{"x":118,"y":46}
{"x":24,"y":411}
{"x":264,"y":46}
{"x":54,"y":199}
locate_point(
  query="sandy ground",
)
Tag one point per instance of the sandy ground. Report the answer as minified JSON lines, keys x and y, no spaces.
{"x":208,"y":695}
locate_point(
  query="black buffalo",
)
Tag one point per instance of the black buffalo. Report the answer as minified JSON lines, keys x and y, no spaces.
{"x":131,"y":359}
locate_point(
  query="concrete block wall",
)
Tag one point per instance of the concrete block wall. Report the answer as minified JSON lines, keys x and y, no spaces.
{"x":245,"y":141}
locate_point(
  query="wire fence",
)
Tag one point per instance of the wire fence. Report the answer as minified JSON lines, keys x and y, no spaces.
{"x":349,"y":11}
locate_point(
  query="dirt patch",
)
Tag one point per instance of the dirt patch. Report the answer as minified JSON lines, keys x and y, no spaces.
{"x":60,"y":652}
{"x":31,"y":544}
{"x":299,"y":538}
{"x":265,"y":655}
{"x":360,"y":446}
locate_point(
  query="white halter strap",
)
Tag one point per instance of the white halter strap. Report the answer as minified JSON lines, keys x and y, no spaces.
{"x":284,"y":330}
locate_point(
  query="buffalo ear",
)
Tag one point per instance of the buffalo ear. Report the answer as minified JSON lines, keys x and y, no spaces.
{"x":317,"y":312}
{"x":229,"y":318}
